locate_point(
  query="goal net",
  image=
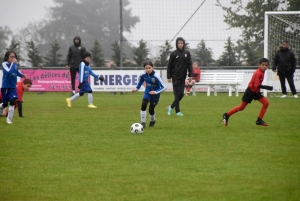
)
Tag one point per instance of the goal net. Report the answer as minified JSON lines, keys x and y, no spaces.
{"x":280,"y":26}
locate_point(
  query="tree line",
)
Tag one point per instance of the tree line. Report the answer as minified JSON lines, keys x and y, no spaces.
{"x":53,"y":58}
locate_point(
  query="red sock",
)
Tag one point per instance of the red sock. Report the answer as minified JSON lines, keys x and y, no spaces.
{"x":188,"y":89}
{"x":265,"y":104}
{"x":237,"y":109}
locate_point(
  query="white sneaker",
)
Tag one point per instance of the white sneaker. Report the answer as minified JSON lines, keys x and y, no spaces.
{"x":283,"y":96}
{"x":8,"y":120}
{"x":295,"y":96}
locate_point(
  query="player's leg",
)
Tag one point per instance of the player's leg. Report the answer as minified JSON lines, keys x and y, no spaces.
{"x":265,"y":104}
{"x":153,"y":104}
{"x":143,"y":115}
{"x":74,"y":97}
{"x":73,"y":72}
{"x":290,"y":79}
{"x":12,"y":93}
{"x":180,"y":95}
{"x":187,"y":90}
{"x":247,"y":98}
{"x":191,"y":85}
{"x":19,"y":105}
{"x":282,"y":83}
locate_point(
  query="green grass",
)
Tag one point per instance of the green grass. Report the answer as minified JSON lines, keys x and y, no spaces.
{"x":60,"y":153}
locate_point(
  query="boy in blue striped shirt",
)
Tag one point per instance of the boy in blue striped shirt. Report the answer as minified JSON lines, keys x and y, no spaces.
{"x":84,"y":72}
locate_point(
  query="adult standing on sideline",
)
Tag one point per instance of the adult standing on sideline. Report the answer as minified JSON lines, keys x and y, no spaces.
{"x":75,"y":56}
{"x":179,"y":64}
{"x":285,"y":66}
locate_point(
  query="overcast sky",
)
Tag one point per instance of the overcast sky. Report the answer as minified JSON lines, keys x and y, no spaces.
{"x":159,"y":21}
{"x":18,"y":13}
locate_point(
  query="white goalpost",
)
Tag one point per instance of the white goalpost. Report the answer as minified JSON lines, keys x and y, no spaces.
{"x":280,"y":26}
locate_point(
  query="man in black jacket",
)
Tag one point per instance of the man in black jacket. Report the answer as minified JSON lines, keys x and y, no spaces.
{"x":74,"y":58}
{"x":179,"y":63}
{"x":285,"y":66}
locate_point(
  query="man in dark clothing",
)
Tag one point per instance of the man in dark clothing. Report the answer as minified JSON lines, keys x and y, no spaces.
{"x":74,"y":58}
{"x":179,"y":63}
{"x":285,"y":62}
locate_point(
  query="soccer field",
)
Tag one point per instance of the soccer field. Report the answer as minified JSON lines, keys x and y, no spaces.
{"x":60,"y":153}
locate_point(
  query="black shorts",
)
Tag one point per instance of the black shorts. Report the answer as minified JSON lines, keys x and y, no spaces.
{"x":249,"y":96}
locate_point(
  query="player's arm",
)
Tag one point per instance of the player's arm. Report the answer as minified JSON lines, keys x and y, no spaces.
{"x":293,"y":61}
{"x":267,"y":87}
{"x":161,"y":85}
{"x":190,"y":67}
{"x":69,"y":57}
{"x":170,"y":66}
{"x":138,"y":86}
{"x":275,"y":62}
{"x":141,"y":81}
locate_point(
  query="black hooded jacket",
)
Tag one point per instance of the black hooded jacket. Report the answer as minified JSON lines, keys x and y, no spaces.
{"x":179,"y":63}
{"x":75,"y":54}
{"x":284,"y":61}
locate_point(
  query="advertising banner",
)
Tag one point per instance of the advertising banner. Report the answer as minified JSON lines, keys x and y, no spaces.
{"x":118,"y":80}
{"x":126,"y":80}
{"x":50,"y":80}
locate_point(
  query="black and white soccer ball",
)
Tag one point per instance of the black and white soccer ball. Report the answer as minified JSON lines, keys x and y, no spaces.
{"x":136,"y":128}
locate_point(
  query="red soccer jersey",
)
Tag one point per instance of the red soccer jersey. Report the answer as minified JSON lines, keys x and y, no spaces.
{"x":20,"y":91}
{"x":198,"y":72}
{"x":256,"y":80}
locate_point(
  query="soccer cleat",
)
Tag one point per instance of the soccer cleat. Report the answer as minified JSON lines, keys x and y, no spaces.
{"x":143,"y":124}
{"x":170,"y":110}
{"x":92,"y":106}
{"x":283,"y":96}
{"x":152,"y":123}
{"x":8,"y":120}
{"x":69,"y":102}
{"x":295,"y":96}
{"x":261,"y":122}
{"x":225,"y":119}
{"x":179,"y":114}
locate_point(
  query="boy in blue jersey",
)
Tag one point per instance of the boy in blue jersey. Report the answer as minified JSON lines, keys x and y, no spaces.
{"x":154,"y":86}
{"x":84,"y":86}
{"x":9,"y":82}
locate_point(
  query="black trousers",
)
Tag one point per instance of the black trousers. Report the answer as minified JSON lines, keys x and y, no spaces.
{"x":178,"y":90}
{"x":73,"y":72}
{"x":290,"y":78}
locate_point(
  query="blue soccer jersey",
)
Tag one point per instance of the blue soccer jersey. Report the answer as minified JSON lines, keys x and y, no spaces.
{"x":153,"y":83}
{"x":10,"y":73}
{"x":84,"y":72}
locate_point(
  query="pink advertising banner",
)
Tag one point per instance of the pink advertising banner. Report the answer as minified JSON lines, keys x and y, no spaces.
{"x":50,"y":80}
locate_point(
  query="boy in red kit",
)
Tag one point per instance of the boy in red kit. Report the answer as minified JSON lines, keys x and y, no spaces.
{"x":21,"y":87}
{"x":253,"y":93}
{"x":196,"y":78}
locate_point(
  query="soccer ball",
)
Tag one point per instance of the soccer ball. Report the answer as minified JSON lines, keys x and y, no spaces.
{"x":136,"y":128}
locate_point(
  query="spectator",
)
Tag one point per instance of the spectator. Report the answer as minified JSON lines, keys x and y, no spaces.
{"x":196,"y":78}
{"x":179,"y":63}
{"x":75,"y":56}
{"x":285,"y":66}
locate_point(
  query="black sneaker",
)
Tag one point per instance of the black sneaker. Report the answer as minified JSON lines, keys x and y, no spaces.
{"x":260,"y":122}
{"x":152,"y":123}
{"x":143,"y":124}
{"x":225,"y":119}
